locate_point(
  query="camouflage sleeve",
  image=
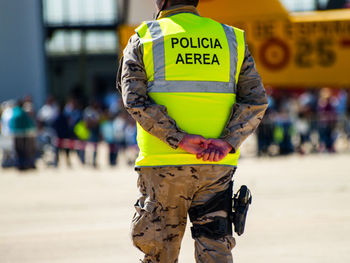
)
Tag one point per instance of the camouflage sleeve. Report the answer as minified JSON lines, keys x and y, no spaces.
{"x":132,"y":83}
{"x":250,"y":106}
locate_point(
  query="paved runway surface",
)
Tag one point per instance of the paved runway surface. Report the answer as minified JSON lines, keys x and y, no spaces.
{"x":300,"y":213}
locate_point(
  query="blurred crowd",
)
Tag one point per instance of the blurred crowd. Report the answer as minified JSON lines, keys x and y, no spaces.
{"x":301,"y":121}
{"x":64,"y":129}
{"x":305,"y":121}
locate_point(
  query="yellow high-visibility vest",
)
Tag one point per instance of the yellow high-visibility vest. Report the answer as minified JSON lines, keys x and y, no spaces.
{"x":192,"y":65}
{"x":82,"y":131}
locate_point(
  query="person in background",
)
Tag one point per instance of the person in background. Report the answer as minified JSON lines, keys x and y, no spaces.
{"x":8,"y":152}
{"x":82,"y":133}
{"x":119,"y":125}
{"x":302,"y":129}
{"x":48,"y":112}
{"x":22,"y":126}
{"x":5,"y":116}
{"x":130,"y":140}
{"x":112,"y":102}
{"x":28,"y":106}
{"x":73,"y":112}
{"x":62,"y":132}
{"x":265,"y":129}
{"x":92,"y":117}
{"x":283,"y":131}
{"x":327,"y":120}
{"x":108,"y":134}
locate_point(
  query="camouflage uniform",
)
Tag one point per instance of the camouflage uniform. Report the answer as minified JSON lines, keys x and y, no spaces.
{"x":161,"y":211}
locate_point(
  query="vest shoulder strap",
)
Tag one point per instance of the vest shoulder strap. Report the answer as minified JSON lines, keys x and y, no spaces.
{"x":240,"y":37}
{"x":141,"y":30}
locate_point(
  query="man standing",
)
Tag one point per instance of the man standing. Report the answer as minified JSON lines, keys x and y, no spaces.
{"x":191,"y":85}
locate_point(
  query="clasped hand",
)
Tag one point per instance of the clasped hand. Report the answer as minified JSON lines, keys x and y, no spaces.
{"x":213,"y":150}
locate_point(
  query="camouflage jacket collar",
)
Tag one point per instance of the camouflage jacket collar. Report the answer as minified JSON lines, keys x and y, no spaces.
{"x":178,"y":9}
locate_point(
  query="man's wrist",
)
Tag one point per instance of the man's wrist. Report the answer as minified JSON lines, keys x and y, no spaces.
{"x":233,"y":148}
{"x":173,"y":140}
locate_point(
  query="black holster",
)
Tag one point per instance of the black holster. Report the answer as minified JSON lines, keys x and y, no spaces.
{"x":236,"y":207}
{"x":241,"y":201}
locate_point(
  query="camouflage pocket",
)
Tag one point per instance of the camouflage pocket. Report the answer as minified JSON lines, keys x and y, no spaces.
{"x":231,"y":242}
{"x":146,"y":226}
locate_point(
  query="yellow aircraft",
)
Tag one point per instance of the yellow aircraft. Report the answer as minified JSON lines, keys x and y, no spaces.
{"x":304,"y":49}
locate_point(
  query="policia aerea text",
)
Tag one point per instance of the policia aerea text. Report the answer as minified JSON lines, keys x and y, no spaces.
{"x":204,"y":42}
{"x":192,"y":86}
{"x":196,"y":58}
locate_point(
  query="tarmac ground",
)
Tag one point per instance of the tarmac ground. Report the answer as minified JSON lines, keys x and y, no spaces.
{"x":300,"y":213}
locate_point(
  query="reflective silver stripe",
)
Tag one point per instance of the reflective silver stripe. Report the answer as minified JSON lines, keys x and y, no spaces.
{"x":158,"y":49}
{"x":232,"y":43}
{"x":190,"y":86}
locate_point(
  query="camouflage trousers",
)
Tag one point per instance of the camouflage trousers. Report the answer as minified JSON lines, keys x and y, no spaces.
{"x":161,"y":211}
